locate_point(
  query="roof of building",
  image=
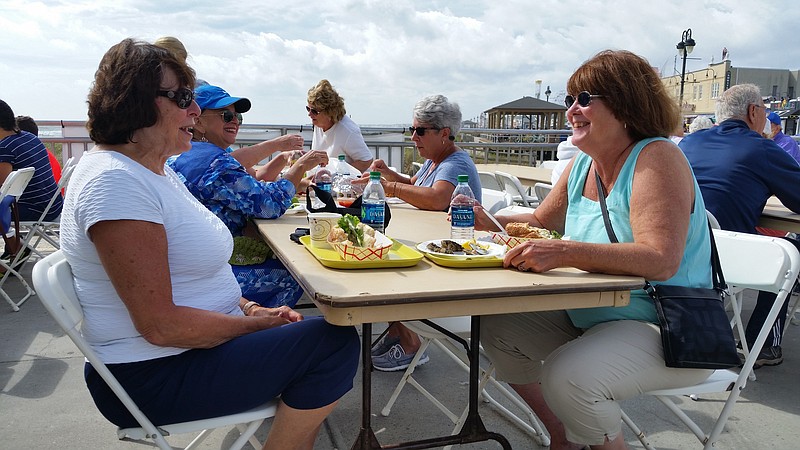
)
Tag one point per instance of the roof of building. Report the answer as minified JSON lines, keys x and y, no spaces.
{"x":529,"y":104}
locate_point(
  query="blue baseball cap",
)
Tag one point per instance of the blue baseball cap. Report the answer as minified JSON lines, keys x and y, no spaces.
{"x":774,"y":118}
{"x":214,"y":97}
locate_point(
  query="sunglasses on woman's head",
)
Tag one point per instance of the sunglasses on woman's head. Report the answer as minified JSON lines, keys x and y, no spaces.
{"x":313,"y":111}
{"x":584,"y":99}
{"x":228,"y":115}
{"x":421,"y":130}
{"x":182,"y":97}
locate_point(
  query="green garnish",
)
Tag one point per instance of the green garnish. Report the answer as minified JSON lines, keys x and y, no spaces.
{"x":349,"y":224}
{"x":555,"y":234}
{"x":295,"y":200}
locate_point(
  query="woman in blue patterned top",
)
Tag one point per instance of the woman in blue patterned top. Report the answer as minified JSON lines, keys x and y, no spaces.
{"x":219,"y":181}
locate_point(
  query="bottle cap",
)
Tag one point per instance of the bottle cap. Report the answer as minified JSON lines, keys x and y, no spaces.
{"x":375,"y":175}
{"x":463,"y":178}
{"x":341,"y":157}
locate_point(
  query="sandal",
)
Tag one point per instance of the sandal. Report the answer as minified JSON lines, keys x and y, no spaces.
{"x":25,"y":255}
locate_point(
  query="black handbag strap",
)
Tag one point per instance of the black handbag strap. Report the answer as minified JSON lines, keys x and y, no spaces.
{"x":716,"y":268}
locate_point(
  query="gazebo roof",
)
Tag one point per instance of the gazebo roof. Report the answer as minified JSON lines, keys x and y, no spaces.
{"x":528,"y":104}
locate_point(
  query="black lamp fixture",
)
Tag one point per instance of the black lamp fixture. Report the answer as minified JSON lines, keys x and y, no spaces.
{"x":547,"y":94}
{"x":685,"y":46}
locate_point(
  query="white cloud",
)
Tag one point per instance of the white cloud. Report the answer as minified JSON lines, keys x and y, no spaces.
{"x":381,"y":56}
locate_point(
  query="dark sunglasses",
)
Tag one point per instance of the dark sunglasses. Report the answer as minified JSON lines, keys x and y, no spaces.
{"x":421,"y":130}
{"x":182,"y":97}
{"x":228,"y":115}
{"x":313,"y":111}
{"x":584,"y":99}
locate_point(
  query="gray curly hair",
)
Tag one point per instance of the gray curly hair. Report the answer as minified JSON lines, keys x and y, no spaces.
{"x":735,"y":102}
{"x":439,"y":112}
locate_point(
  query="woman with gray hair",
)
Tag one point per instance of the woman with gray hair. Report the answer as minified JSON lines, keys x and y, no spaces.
{"x":436,"y":122}
{"x":334,"y":132}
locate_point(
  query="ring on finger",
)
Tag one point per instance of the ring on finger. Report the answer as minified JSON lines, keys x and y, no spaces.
{"x":521,"y":267}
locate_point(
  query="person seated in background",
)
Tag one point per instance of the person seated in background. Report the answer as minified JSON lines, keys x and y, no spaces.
{"x":785,"y":142}
{"x":225,"y":187}
{"x":335,"y":132}
{"x":435,"y":124}
{"x":150,"y":265}
{"x":573,"y":367}
{"x":700,"y":123}
{"x":249,"y":155}
{"x":26,"y":123}
{"x":18,"y":150}
{"x":565,"y":152}
{"x":220,"y":181}
{"x":738,"y":170}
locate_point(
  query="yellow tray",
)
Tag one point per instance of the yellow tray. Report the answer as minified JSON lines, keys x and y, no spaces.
{"x":400,"y":255}
{"x":465,"y":262}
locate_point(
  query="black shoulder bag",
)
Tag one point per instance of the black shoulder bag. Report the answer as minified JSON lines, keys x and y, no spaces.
{"x":695,"y":330}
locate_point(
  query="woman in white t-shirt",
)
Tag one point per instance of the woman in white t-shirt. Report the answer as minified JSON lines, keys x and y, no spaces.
{"x":161,"y":305}
{"x":334,"y":132}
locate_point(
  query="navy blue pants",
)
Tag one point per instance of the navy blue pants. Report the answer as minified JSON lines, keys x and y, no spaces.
{"x":310,"y":364}
{"x":761,"y":311}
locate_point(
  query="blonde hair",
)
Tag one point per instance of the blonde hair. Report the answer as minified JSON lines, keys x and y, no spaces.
{"x":174,"y":45}
{"x":325,"y":98}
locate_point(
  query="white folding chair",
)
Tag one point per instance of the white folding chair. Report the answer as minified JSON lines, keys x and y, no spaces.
{"x":42,"y":229}
{"x":14,"y":186}
{"x":493,"y":200}
{"x":752,"y":262}
{"x":514,"y":209}
{"x":489,"y":181}
{"x":541,"y":190}
{"x":52,"y":277}
{"x":460,"y":326}
{"x":513,"y":186}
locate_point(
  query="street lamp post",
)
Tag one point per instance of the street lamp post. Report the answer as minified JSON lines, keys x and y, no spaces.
{"x":547,"y":94}
{"x":685,"y":46}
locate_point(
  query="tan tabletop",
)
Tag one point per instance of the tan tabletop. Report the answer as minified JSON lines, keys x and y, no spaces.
{"x":349,"y":297}
{"x":528,"y":176}
{"x":779,"y":217}
{"x":365,"y":296}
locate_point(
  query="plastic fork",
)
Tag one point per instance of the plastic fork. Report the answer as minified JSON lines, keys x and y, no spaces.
{"x":491,"y":217}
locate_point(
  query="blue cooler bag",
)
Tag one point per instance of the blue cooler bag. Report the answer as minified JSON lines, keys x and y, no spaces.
{"x":262,"y":279}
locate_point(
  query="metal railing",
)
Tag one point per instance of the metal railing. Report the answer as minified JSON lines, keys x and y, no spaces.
{"x":392,"y":144}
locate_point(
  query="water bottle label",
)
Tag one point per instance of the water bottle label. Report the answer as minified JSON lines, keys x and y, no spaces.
{"x":372,"y":214}
{"x":462,"y":216}
{"x":324,"y":186}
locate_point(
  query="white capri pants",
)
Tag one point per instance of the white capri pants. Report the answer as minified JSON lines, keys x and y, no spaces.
{"x":583,"y":374}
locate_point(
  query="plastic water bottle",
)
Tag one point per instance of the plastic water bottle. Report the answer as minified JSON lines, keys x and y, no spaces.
{"x":323,"y":178}
{"x":462,"y":216}
{"x":373,"y":202}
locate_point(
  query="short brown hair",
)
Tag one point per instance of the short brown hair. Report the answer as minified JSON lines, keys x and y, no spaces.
{"x":631,"y":89}
{"x":122,"y":97}
{"x":325,"y":98}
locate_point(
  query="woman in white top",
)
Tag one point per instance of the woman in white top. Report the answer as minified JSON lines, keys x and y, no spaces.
{"x":162,"y":307}
{"x":334,"y":132}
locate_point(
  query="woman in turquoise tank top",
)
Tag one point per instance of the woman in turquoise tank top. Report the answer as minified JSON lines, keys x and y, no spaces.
{"x":621,"y":116}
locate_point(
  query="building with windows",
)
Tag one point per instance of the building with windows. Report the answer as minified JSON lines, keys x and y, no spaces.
{"x":702,"y":88}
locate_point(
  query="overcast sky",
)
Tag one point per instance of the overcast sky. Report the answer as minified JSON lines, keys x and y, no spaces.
{"x":381,"y":55}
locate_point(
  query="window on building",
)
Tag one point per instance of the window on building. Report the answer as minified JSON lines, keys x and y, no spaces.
{"x":700,"y":92}
{"x":714,"y":90}
{"x":775,"y":91}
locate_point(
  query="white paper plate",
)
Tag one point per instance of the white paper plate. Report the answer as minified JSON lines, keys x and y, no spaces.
{"x":493,"y":250}
{"x":297,"y":208}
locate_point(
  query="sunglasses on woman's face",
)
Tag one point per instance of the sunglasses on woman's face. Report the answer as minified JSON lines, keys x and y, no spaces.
{"x":421,"y":130}
{"x":182,"y":97}
{"x":228,"y":115}
{"x":313,"y":111}
{"x":584,"y":99}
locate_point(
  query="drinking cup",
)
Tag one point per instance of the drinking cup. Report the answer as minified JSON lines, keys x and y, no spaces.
{"x":320,"y":224}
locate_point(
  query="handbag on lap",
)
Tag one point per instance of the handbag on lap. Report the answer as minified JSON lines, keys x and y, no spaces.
{"x":695,"y":329}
